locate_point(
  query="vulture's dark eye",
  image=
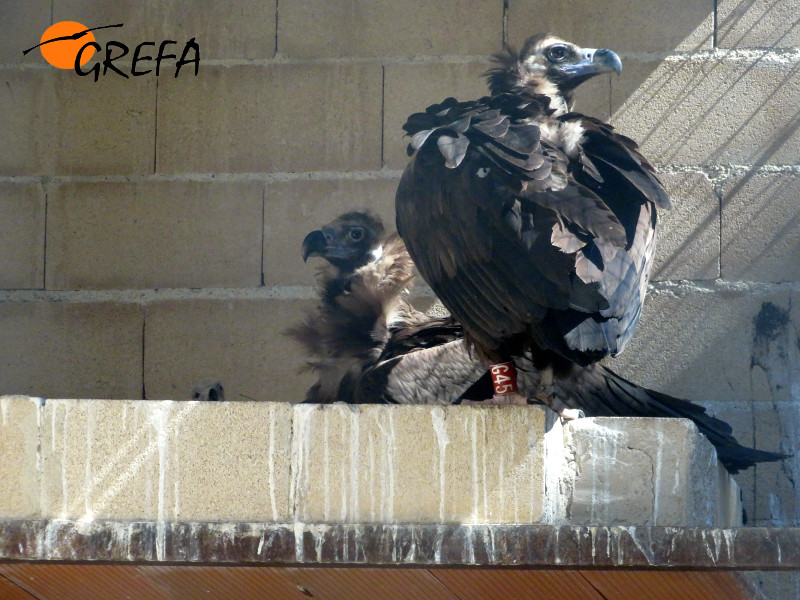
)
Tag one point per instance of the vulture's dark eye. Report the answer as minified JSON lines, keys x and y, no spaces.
{"x":356,"y":234}
{"x":557,"y":53}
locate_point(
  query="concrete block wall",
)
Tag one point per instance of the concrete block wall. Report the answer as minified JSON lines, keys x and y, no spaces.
{"x":150,"y":226}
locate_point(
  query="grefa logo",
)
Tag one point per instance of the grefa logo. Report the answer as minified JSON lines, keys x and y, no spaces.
{"x":70,"y":45}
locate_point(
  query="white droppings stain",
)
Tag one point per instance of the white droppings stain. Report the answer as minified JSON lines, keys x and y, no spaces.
{"x":557,"y":547}
{"x":299,"y":548}
{"x":53,"y":427}
{"x":483,"y":172}
{"x":261,"y":543}
{"x":271,"y":463}
{"x":657,"y":469}
{"x":643,"y":547}
{"x":437,"y":545}
{"x":730,"y":541}
{"x":442,"y":439}
{"x":390,"y":467}
{"x":514,"y":486}
{"x":158,"y":417}
{"x":301,"y":448}
{"x":39,"y":416}
{"x":64,"y":455}
{"x":386,"y":466}
{"x":318,"y":533}
{"x":326,"y":466}
{"x":470,"y":548}
{"x":554,"y":465}
{"x":485,"y":472}
{"x":501,"y":496}
{"x":176,"y":487}
{"x":412,"y":551}
{"x":88,"y":480}
{"x":355,"y":443}
{"x":489,"y":533}
{"x":775,"y":508}
{"x":4,"y":401}
{"x":473,"y":426}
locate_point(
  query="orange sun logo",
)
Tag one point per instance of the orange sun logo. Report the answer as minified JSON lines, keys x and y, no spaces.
{"x":62,"y":41}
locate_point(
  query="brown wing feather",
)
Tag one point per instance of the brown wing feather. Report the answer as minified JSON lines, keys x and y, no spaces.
{"x":517,"y":237}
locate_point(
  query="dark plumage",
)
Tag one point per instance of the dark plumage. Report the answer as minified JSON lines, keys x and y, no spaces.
{"x":533,"y":225}
{"x":599,"y":392}
{"x":368,"y":345}
{"x":363,"y":308}
{"x":431,"y":376}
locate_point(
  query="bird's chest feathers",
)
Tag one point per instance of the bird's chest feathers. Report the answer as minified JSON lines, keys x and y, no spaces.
{"x":567,"y":136}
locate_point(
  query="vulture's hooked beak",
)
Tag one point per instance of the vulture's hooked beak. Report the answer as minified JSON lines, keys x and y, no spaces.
{"x":325,"y":243}
{"x":314,"y":244}
{"x":593,"y":62}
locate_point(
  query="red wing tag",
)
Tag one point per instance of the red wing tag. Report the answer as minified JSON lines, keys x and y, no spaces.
{"x":504,"y":378}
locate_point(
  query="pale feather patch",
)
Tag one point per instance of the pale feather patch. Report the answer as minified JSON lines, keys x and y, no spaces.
{"x":567,"y":136}
{"x":571,"y":136}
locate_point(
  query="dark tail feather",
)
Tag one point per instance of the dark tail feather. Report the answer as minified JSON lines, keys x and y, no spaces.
{"x":598,"y":391}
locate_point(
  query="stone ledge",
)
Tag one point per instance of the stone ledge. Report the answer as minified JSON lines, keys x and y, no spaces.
{"x":530,"y":546}
{"x":167,"y":461}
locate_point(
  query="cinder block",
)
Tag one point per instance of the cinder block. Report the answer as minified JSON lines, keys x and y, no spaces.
{"x":710,"y":111}
{"x":249,"y":30}
{"x":165,"y":460}
{"x":777,"y":428}
{"x":625,"y":27}
{"x":154,"y":235}
{"x":80,"y":350}
{"x":739,"y":415}
{"x":22,"y":208}
{"x":23,"y":26}
{"x":638,"y":471}
{"x":776,"y":585}
{"x":742,"y":24}
{"x":412,"y":88}
{"x":318,"y":28}
{"x":294,"y":208}
{"x":239,"y":342}
{"x":712,"y":344}
{"x":688,"y":234}
{"x":20,"y":468}
{"x":60,"y":123}
{"x":418,"y":464}
{"x":761,"y":227}
{"x":100,"y":460}
{"x":298,"y":117}
{"x":228,"y":461}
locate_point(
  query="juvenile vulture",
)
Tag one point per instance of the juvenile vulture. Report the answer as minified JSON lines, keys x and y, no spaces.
{"x":534,"y":225}
{"x":363,"y":307}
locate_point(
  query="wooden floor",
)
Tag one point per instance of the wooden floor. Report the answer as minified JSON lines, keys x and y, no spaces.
{"x":28,"y":581}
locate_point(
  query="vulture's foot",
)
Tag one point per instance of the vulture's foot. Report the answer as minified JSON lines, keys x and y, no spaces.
{"x":498,"y":400}
{"x":515,"y":399}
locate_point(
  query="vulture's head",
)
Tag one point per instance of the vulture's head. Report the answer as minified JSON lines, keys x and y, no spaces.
{"x":348,"y":242}
{"x":550,"y":66}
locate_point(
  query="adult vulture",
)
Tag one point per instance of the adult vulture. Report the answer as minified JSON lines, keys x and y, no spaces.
{"x":533,"y":224}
